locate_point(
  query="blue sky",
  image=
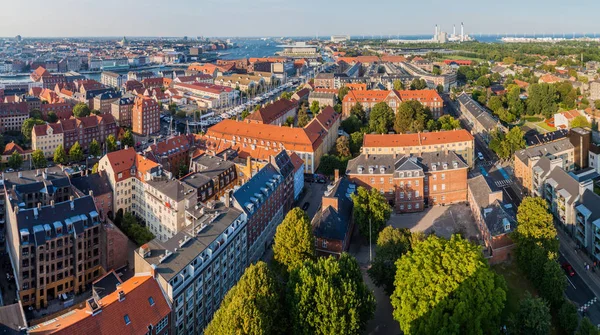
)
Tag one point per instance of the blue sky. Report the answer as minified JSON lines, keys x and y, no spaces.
{"x":291,"y":18}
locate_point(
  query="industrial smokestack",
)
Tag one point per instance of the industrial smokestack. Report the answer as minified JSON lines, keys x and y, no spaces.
{"x":462,"y":32}
{"x":454,"y":30}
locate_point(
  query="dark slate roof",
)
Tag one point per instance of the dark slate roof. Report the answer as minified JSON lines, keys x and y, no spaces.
{"x":585,"y":174}
{"x":592,"y":202}
{"x":481,"y":188}
{"x":536,"y":138}
{"x":254,"y":189}
{"x":497,"y":215}
{"x":334,"y":224}
{"x":451,"y":159}
{"x":106,"y":285}
{"x":97,"y":183}
{"x":283,"y":163}
{"x":211,"y":166}
{"x":546,"y":149}
{"x":45,"y":181}
{"x":478,"y":112}
{"x":217,"y":220}
{"x":43,"y":223}
{"x":565,"y":182}
{"x":173,"y":189}
{"x":196,"y":179}
{"x":12,"y":319}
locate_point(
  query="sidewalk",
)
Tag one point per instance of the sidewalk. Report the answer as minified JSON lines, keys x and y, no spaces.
{"x":577,"y":259}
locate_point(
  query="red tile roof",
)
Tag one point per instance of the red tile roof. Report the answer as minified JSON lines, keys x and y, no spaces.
{"x":419,"y":139}
{"x":12,"y":147}
{"x":272,"y":112}
{"x":111,"y":320}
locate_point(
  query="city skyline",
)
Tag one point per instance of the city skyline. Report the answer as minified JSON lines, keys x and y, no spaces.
{"x":273,"y":18}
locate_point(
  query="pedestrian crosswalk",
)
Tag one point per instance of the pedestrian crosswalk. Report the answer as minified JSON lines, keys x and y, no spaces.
{"x":503,"y":183}
{"x":587,"y":305}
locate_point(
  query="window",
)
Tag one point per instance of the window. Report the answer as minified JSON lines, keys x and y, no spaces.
{"x":417,"y":205}
{"x":127,"y":321}
{"x":151,"y":301}
{"x":443,"y":187}
{"x":443,"y":176}
{"x":401,"y":207}
{"x":162,"y":324}
{"x":416,"y":183}
{"x":434,"y":177}
{"x":435,"y":187}
{"x":324,"y":244}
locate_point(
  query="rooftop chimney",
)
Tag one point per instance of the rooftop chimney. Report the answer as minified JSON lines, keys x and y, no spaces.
{"x":52,"y":203}
{"x":227,"y":200}
{"x":336,"y":173}
{"x":91,"y":193}
{"x":39,"y":206}
{"x":121,"y":295}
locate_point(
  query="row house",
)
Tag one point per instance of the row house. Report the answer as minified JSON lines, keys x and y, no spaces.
{"x":459,"y":140}
{"x":410,"y":183}
{"x":243,"y":82}
{"x":480,"y":120}
{"x":112,"y":79}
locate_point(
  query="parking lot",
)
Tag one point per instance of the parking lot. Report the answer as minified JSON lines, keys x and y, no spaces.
{"x":313,"y":194}
{"x":441,"y":220}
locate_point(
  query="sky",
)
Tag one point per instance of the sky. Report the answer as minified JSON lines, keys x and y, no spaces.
{"x":217,"y":18}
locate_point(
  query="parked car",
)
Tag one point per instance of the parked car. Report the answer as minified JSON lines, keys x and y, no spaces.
{"x":480,"y":155}
{"x":568,"y":269}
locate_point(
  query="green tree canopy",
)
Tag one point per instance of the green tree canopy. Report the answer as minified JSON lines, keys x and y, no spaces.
{"x":81,"y":110}
{"x":370,"y":205}
{"x":398,"y":85}
{"x":586,"y":327}
{"x":329,"y":296}
{"x":342,"y":146}
{"x":533,"y":317}
{"x":351,"y":124}
{"x":446,"y":287}
{"x":95,"y":168}
{"x":252,"y":306}
{"x":314,"y":107}
{"x":76,"y":153}
{"x":294,"y":240}
{"x":580,"y":121}
{"x":111,"y":143}
{"x":15,"y":160}
{"x":356,"y":141}
{"x":418,"y":84}
{"x":52,"y":117}
{"x":286,"y":95}
{"x":411,"y":116}
{"x":36,"y":114}
{"x":568,"y":317}
{"x":38,"y":159}
{"x":381,"y":118}
{"x":60,"y":155}
{"x":392,"y":243}
{"x":483,"y":81}
{"x":342,"y":92}
{"x":94,"y":148}
{"x":542,"y":100}
{"x":28,"y":125}
{"x":127,"y":139}
{"x":495,"y":103}
{"x":358,"y":111}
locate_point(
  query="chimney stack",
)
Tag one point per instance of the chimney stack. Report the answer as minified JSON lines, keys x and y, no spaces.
{"x":336,"y":173}
{"x":227,"y":200}
{"x":52,"y":203}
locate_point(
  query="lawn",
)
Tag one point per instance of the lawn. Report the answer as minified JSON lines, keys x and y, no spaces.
{"x":545,"y":126}
{"x":457,"y":57}
{"x":532,"y":118}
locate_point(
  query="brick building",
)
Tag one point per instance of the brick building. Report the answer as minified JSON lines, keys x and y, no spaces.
{"x":275,"y":113}
{"x":410,"y":182}
{"x":122,"y":109}
{"x":369,"y":98}
{"x":171,"y":153}
{"x":145,"y":116}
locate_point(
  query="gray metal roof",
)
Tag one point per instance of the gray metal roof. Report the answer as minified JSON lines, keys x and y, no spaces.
{"x":481,"y":188}
{"x":479,"y":113}
{"x":546,"y":149}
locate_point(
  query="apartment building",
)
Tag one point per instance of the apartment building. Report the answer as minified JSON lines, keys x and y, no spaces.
{"x":595,"y":90}
{"x":47,"y":137}
{"x":494,"y":218}
{"x":447,"y":80}
{"x":369,"y":98}
{"x":587,"y":223}
{"x":525,"y":160}
{"x":243,"y":82}
{"x":136,"y":306}
{"x":410,"y":183}
{"x":198,"y":266}
{"x":145,"y":116}
{"x":83,"y":130}
{"x":211,"y":177}
{"x":459,"y":140}
{"x":54,"y":246}
{"x":122,"y":110}
{"x":479,"y":120}
{"x":103,"y":102}
{"x":112,"y":79}
{"x":172,"y":153}
{"x":262,"y":199}
{"x":12,"y":116}
{"x":325,"y":80}
{"x":275,"y":113}
{"x":323,"y":98}
{"x":333,"y":224}
{"x":215,"y":95}
{"x":309,"y":143}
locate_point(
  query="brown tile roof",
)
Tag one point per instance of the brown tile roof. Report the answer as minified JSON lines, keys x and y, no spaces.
{"x":122,"y":161}
{"x":42,"y":129}
{"x":327,"y":117}
{"x":272,"y":112}
{"x":419,"y":139}
{"x":12,"y":147}
{"x":111,"y":320}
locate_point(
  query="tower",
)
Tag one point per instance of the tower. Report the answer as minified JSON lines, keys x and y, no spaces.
{"x":462,"y":32}
{"x":454,"y":30}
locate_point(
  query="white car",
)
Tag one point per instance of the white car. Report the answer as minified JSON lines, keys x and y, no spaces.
{"x":480,"y":156}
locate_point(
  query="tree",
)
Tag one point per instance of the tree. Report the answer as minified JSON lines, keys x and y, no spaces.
{"x":371,"y":211}
{"x":286,"y":95}
{"x":533,"y":317}
{"x":542,"y":100}
{"x":483,"y":81}
{"x":398,"y":85}
{"x":392,"y":243}
{"x":586,"y":327}
{"x":289,"y":122}
{"x":38,"y":159}
{"x":76,"y":153}
{"x":515,"y":139}
{"x":52,"y":117}
{"x":342,"y":145}
{"x":245,"y":114}
{"x":111,"y":143}
{"x":356,"y":140}
{"x":447,"y":122}
{"x":95,"y":168}
{"x":495,"y":103}
{"x":36,"y":114}
{"x":172,"y":108}
{"x":97,"y":112}
{"x":514,"y":102}
{"x":15,"y":160}
{"x":28,"y":125}
{"x":342,"y":92}
{"x":418,"y":84}
{"x":314,"y":107}
{"x":294,"y":240}
{"x":568,"y":318}
{"x":252,"y":306}
{"x":446,"y":287}
{"x":94,"y":148}
{"x":358,"y":111}
{"x":436,"y":71}
{"x":329,"y":163}
{"x":381,"y":118}
{"x":60,"y":156}
{"x":127,"y":139}
{"x":329,"y":296}
{"x":508,"y":60}
{"x":581,"y":122}
{"x":135,"y":231}
{"x":351,"y":124}
{"x":411,"y":116}
{"x":81,"y":110}
{"x":552,"y":286}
